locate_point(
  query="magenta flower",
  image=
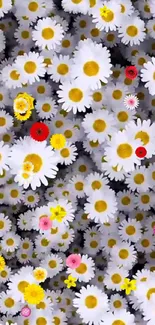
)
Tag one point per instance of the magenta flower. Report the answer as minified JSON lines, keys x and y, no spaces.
{"x":45,"y":223}
{"x":73,"y":261}
{"x":26,"y":311}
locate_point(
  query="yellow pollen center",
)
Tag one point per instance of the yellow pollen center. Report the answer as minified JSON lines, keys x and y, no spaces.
{"x":91,"y":68}
{"x":111,"y":243}
{"x":95,"y":32}
{"x":143,"y":136}
{"x":96,"y":185}
{"x":14,"y":75}
{"x":139,"y":179}
{"x":22,"y":286}
{"x":62,"y":69}
{"x":123,"y":254}
{"x":10,"y":242}
{"x":125,"y":200}
{"x":14,"y":194}
{"x":25,"y":34}
{"x":46,"y":108}
{"x":66,"y":43}
{"x":124,"y":151}
{"x":108,"y":17}
{"x":122,"y":116}
{"x":65,"y":153}
{"x":31,"y":198}
{"x":150,"y":292}
{"x":147,"y":8}
{"x":110,"y":37}
{"x":141,"y":61}
{"x":99,"y":126}
{"x":81,"y":269}
{"x":1,"y":224}
{"x":33,"y":6}
{"x":145,"y":243}
{"x":101,"y":206}
{"x":75,"y":95}
{"x":117,"y":94}
{"x":30,"y":67}
{"x":145,"y":199}
{"x":76,"y":2}
{"x":93,"y":244}
{"x":41,"y":321}
{"x":35,"y":160}
{"x":79,"y":186}
{"x":117,"y":304}
{"x":9,"y":302}
{"x":122,"y":9}
{"x":130,"y":230}
{"x":97,"y":96}
{"x":52,"y":264}
{"x":116,"y":278}
{"x":132,"y":31}
{"x":56,"y":321}
{"x":48,"y":33}
{"x":91,"y":302}
{"x":41,"y":90}
{"x":118,"y":322}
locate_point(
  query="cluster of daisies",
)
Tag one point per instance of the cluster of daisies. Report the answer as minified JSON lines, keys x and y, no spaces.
{"x":77,"y":162}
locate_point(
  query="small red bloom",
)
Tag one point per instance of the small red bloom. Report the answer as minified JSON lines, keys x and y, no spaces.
{"x":141,"y":152}
{"x":39,"y":131}
{"x":131,"y":72}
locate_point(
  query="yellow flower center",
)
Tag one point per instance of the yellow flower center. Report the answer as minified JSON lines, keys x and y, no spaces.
{"x":22,"y":285}
{"x":97,"y":96}
{"x":123,"y":254}
{"x":46,"y":107}
{"x":14,"y":75}
{"x":111,"y":243}
{"x":91,"y":302}
{"x":95,"y":32}
{"x":30,"y":67}
{"x":48,"y":33}
{"x":36,"y":161}
{"x":116,"y":278}
{"x":99,"y":125}
{"x":145,"y":199}
{"x":139,"y":179}
{"x":41,"y":90}
{"x":79,"y":186}
{"x":75,"y":95}
{"x":132,"y":31}
{"x":56,"y":321}
{"x":96,"y":185}
{"x":122,"y":116}
{"x":82,"y":268}
{"x":62,"y":69}
{"x":143,"y":136}
{"x":101,"y":206}
{"x":150,"y":292}
{"x":117,"y":304}
{"x":76,"y":2}
{"x":41,"y":321}
{"x":2,"y":121}
{"x":91,"y":68}
{"x":33,"y":6}
{"x":1,"y":224}
{"x":9,"y":302}
{"x":125,"y":200}
{"x":52,"y":264}
{"x":145,"y":243}
{"x":10,"y":242}
{"x":124,"y":150}
{"x":93,"y":244}
{"x":130,"y":230}
{"x":118,"y":322}
{"x":65,"y":153}
{"x":14,"y":194}
{"x":117,"y":94}
{"x":66,"y":43}
{"x":25,"y":34}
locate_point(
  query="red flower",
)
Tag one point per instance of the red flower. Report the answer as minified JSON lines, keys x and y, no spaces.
{"x":141,"y":152}
{"x":131,"y":72}
{"x":39,"y":131}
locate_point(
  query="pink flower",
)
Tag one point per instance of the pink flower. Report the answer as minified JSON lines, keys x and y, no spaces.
{"x":26,"y":311}
{"x":45,"y":223}
{"x":73,"y":261}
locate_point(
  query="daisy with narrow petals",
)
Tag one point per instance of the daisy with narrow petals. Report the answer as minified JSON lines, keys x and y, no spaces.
{"x":47,"y":33}
{"x":121,"y":151}
{"x":101,"y":206}
{"x":92,"y":64}
{"x":120,"y":317}
{"x":91,"y":304}
{"x":132,"y":31}
{"x":41,"y":156}
{"x":148,"y":76}
{"x":32,"y":67}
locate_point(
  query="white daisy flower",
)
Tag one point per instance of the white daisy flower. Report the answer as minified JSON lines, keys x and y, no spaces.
{"x":31,"y":199}
{"x":53,"y":264}
{"x":122,"y":316}
{"x":144,"y":200}
{"x":12,"y":76}
{"x":46,"y":108}
{"x":139,"y":179}
{"x":115,"y":94}
{"x":31,"y":9}
{"x":4,"y":153}
{"x":132,"y":31}
{"x":6,"y":121}
{"x":8,"y":304}
{"x":24,"y":35}
{"x":10,"y":241}
{"x":124,"y":255}
{"x":60,"y":70}
{"x":5,"y":7}
{"x":101,"y":205}
{"x":91,"y":304}
{"x":130,"y":230}
{"x":99,"y":125}
{"x":31,"y":66}
{"x":74,"y":96}
{"x":114,"y":277}
{"x":67,"y":46}
{"x":126,"y":8}
{"x":13,"y":194}
{"x":28,"y":150}
{"x":125,"y":201}
{"x":47,"y":33}
{"x":121,"y":151}
{"x":148,"y":75}
{"x":75,"y":6}
{"x":68,"y":154}
{"x":123,"y":116}
{"x":109,"y":21}
{"x":89,"y":64}
{"x":95,"y":181}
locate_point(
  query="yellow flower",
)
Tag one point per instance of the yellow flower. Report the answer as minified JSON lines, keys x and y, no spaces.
{"x":2,"y":263}
{"x":58,"y":213}
{"x":23,"y":102}
{"x":27,"y":167}
{"x":104,"y":11}
{"x":34,"y":294}
{"x":23,"y":117}
{"x":70,"y":281}
{"x":58,"y":141}
{"x":40,"y":274}
{"x":128,"y":286}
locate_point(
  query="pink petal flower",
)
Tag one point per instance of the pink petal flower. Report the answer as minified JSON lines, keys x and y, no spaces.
{"x":45,"y":223}
{"x":73,"y":261}
{"x":26,"y":311}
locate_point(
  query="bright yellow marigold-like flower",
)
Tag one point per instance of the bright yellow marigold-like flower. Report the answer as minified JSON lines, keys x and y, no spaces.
{"x":70,"y":281}
{"x":34,"y":294}
{"x":128,"y":286}
{"x":2,"y":263}
{"x":58,"y":213}
{"x":23,"y":102}
{"x":58,"y":141}
{"x":40,"y":274}
{"x":23,"y":117}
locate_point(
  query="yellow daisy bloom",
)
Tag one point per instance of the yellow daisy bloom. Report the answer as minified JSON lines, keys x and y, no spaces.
{"x":104,"y":11}
{"x":2,"y":263}
{"x":23,"y":102}
{"x":58,"y":213}
{"x":23,"y":117}
{"x":40,"y":274}
{"x":70,"y":281}
{"x":58,"y":141}
{"x":34,"y":294}
{"x":128,"y":286}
